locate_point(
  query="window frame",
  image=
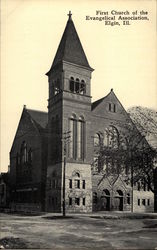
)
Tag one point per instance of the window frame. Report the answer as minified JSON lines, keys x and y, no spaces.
{"x":77,"y":201}
{"x":144,"y":202}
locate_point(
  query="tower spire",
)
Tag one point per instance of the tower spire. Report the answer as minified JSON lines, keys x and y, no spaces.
{"x":70,"y":48}
{"x":69,"y":14}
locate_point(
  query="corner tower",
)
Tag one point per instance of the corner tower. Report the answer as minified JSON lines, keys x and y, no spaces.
{"x":69,"y":112}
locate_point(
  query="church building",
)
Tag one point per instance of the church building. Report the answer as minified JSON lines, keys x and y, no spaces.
{"x":55,"y":158}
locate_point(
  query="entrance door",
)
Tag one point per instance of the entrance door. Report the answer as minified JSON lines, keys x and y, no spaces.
{"x":105,"y":200}
{"x":105,"y":203}
{"x":118,"y":201}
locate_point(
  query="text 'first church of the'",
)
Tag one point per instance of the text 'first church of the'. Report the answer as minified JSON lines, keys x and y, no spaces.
{"x":74,"y":129}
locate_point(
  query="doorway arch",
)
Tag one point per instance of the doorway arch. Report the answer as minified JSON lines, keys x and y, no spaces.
{"x":105,"y":200}
{"x":118,"y":200}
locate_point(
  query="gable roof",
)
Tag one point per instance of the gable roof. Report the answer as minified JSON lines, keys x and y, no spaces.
{"x":70,"y":48}
{"x":39,"y":120}
{"x":40,"y":117}
{"x":97,"y":102}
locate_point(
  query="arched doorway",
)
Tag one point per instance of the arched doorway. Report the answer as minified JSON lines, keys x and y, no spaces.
{"x":118,"y":201}
{"x":105,"y":200}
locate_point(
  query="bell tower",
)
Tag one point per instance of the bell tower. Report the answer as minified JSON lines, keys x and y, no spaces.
{"x":69,"y":110}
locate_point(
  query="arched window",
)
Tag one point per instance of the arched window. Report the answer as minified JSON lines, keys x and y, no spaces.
{"x":82,"y":88}
{"x":97,"y":139}
{"x":119,"y":193}
{"x":106,"y":192}
{"x":73,"y":141}
{"x":111,"y":137}
{"x":77,"y":85}
{"x":77,"y":180}
{"x":30,"y":155}
{"x":106,"y":139}
{"x":76,"y":174}
{"x":80,"y":138}
{"x":77,"y":140}
{"x":23,"y":152}
{"x":72,"y":87}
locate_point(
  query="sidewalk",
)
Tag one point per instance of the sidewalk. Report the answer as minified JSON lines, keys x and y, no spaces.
{"x":106,"y":215}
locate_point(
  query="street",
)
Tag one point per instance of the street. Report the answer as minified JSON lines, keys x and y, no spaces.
{"x":81,"y":231}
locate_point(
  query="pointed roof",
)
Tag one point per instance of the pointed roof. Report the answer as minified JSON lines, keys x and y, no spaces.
{"x":39,"y":119}
{"x":70,"y":48}
{"x":97,"y":102}
{"x":108,"y":98}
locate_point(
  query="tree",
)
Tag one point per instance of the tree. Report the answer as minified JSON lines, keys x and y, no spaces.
{"x":125,"y":151}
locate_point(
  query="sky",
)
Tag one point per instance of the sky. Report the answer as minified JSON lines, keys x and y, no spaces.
{"x":123,"y":56}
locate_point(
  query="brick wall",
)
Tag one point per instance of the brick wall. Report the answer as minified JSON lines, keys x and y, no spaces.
{"x":73,"y":192}
{"x":145,"y":199}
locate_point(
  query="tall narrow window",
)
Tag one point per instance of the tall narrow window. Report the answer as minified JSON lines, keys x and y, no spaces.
{"x":73,"y":141}
{"x":143,"y":202}
{"x":112,"y":137}
{"x":96,"y":140}
{"x":105,"y":139}
{"x":77,"y":86}
{"x":77,"y":180}
{"x":57,"y":138}
{"x":70,"y":183}
{"x":84,"y":201}
{"x":83,"y":184}
{"x":72,"y":84}
{"x":110,"y":106}
{"x":23,"y":152}
{"x":138,"y":202}
{"x":82,"y":88}
{"x":114,"y":108}
{"x":30,"y":155}
{"x":80,"y":138}
{"x":77,"y":183}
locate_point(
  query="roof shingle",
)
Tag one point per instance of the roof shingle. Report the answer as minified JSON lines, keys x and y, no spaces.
{"x":70,"y":48}
{"x":40,"y":117}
